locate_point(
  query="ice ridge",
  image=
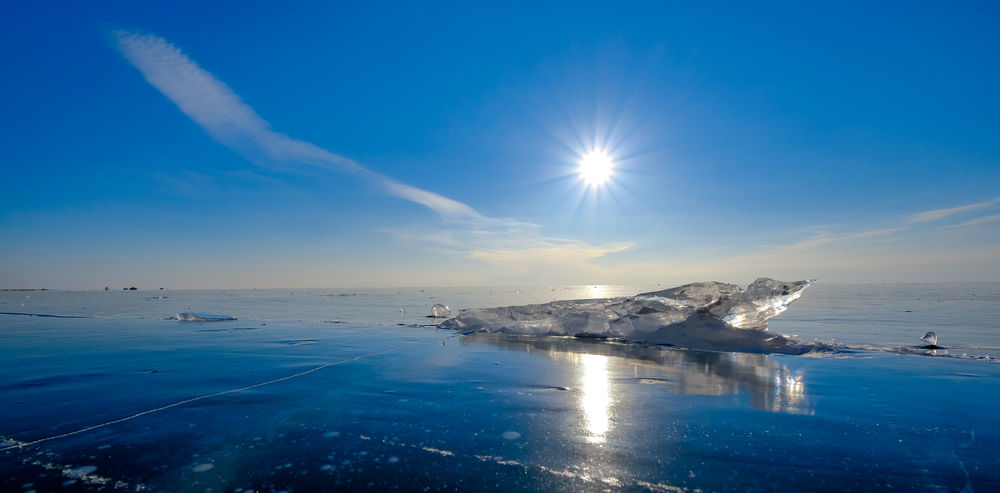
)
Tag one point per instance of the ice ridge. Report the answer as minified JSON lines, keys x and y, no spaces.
{"x":702,"y":315}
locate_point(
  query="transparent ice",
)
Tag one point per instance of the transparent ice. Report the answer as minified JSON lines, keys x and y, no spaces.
{"x":440,"y":311}
{"x":705,"y":315}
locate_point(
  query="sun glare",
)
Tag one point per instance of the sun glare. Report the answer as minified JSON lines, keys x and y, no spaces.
{"x":595,"y":167}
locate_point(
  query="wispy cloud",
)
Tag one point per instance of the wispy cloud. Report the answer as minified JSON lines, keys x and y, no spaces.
{"x":218,"y":110}
{"x":825,"y":239}
{"x":875,"y":255}
{"x":906,"y":251}
{"x":976,"y":222}
{"x":230,"y":121}
{"x":938,"y":214}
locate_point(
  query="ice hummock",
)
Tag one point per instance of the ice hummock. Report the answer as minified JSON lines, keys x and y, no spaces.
{"x":701,"y":315}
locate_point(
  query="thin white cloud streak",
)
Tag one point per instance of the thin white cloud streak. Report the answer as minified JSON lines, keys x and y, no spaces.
{"x":822,"y":239}
{"x":976,"y":222}
{"x":938,"y":214}
{"x":819,"y":254}
{"x":220,"y":112}
{"x":878,"y":255}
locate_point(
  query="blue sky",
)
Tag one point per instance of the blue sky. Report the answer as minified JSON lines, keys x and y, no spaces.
{"x":242,"y":144}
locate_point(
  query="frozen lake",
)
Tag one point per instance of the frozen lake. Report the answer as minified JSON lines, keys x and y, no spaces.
{"x":336,"y":389}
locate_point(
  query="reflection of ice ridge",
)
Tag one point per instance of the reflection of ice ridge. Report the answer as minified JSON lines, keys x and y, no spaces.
{"x":702,"y":315}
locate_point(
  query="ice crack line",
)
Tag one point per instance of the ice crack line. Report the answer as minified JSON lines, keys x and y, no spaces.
{"x":19,"y":444}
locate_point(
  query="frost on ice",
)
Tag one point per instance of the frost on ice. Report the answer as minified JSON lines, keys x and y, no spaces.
{"x":701,"y":315}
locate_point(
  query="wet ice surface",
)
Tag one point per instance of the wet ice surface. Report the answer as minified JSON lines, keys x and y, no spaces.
{"x":481,"y":412}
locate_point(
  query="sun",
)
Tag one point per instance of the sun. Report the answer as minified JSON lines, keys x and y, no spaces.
{"x":595,"y":167}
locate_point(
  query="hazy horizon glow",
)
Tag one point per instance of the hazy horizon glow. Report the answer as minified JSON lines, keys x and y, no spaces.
{"x":654,"y":144}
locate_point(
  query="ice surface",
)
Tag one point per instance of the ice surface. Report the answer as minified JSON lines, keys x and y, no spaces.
{"x":701,"y":315}
{"x":201,"y":317}
{"x":766,"y":422}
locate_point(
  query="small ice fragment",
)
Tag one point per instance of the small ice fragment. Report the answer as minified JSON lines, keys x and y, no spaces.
{"x":201,"y":317}
{"x":202,"y":467}
{"x":930,"y":338}
{"x":325,"y":467}
{"x":331,"y":434}
{"x":511,"y":435}
{"x":392,"y":459}
{"x":440,"y":311}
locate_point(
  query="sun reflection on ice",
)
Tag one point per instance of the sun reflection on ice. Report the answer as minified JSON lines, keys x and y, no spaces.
{"x":595,"y":396}
{"x":789,"y":393}
{"x":597,"y":291}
